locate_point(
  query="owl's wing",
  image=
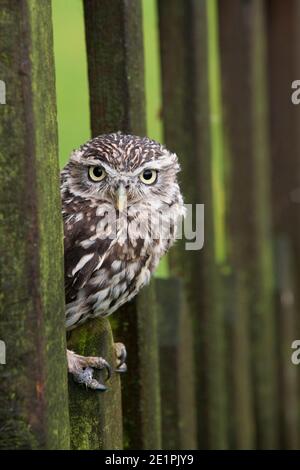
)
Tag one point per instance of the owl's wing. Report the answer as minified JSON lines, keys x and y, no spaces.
{"x":82,"y":256}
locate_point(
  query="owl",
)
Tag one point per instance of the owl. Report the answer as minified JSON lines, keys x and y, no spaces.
{"x":121,"y":205}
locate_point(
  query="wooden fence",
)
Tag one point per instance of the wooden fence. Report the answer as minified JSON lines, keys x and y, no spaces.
{"x":208,"y":348}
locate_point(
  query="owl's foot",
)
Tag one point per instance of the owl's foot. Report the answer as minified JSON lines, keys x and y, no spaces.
{"x":121,"y":357}
{"x":82,"y":369}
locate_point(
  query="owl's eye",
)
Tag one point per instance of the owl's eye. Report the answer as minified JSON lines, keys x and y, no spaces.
{"x":148,"y":176}
{"x":96,"y":173}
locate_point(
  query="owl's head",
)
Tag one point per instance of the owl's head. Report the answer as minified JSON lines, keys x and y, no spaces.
{"x":116,"y":168}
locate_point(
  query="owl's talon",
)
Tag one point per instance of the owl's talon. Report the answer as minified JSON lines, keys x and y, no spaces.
{"x":121,"y":354}
{"x":85,"y":377}
{"x":82,"y":369}
{"x":122,"y":368}
{"x":109,"y":371}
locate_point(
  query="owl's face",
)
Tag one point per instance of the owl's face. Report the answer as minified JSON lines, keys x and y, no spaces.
{"x":123,"y":169}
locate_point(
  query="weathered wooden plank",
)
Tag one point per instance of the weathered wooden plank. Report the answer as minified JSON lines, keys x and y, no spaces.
{"x":283,"y":69}
{"x":115,"y":65}
{"x":243,"y":71}
{"x":33,"y":383}
{"x":137,"y":328}
{"x":115,"y":68}
{"x":286,"y":334}
{"x":186,"y":33}
{"x":177,"y":370}
{"x":95,"y":417}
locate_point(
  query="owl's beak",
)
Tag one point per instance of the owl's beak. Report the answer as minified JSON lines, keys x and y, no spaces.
{"x":121,"y":197}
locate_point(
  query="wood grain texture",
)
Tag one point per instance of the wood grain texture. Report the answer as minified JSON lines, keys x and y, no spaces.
{"x":33,"y":384}
{"x":114,"y":42}
{"x":95,"y":417}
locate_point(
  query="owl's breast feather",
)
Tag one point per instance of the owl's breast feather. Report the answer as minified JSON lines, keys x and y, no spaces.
{"x":115,"y":275}
{"x":116,"y":282}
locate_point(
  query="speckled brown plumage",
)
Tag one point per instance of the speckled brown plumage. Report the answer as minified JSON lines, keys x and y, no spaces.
{"x":111,"y":250}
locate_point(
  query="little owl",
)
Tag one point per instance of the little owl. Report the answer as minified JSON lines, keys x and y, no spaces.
{"x":121,"y":205}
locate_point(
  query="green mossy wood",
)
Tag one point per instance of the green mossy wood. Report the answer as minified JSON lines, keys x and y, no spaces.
{"x":116,"y":81}
{"x":33,"y":382}
{"x":95,"y":417}
{"x":184,"y":33}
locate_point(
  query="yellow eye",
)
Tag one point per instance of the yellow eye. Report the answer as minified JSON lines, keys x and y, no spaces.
{"x":96,"y":173}
{"x":148,"y":176}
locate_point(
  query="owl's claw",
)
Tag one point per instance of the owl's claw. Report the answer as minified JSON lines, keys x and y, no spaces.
{"x":122,"y":368}
{"x":86,"y":377}
{"x":108,"y":370}
{"x":121,"y":354}
{"x":82,"y":369}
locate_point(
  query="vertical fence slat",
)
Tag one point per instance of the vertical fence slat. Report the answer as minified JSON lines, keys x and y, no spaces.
{"x":242,"y":30}
{"x":186,"y":88}
{"x":177,"y":371}
{"x":137,"y":328}
{"x":283,"y":69}
{"x":239,"y":159}
{"x":288,"y":408}
{"x":115,"y":66}
{"x":95,"y":417}
{"x":33,"y":384}
{"x":116,"y":79}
